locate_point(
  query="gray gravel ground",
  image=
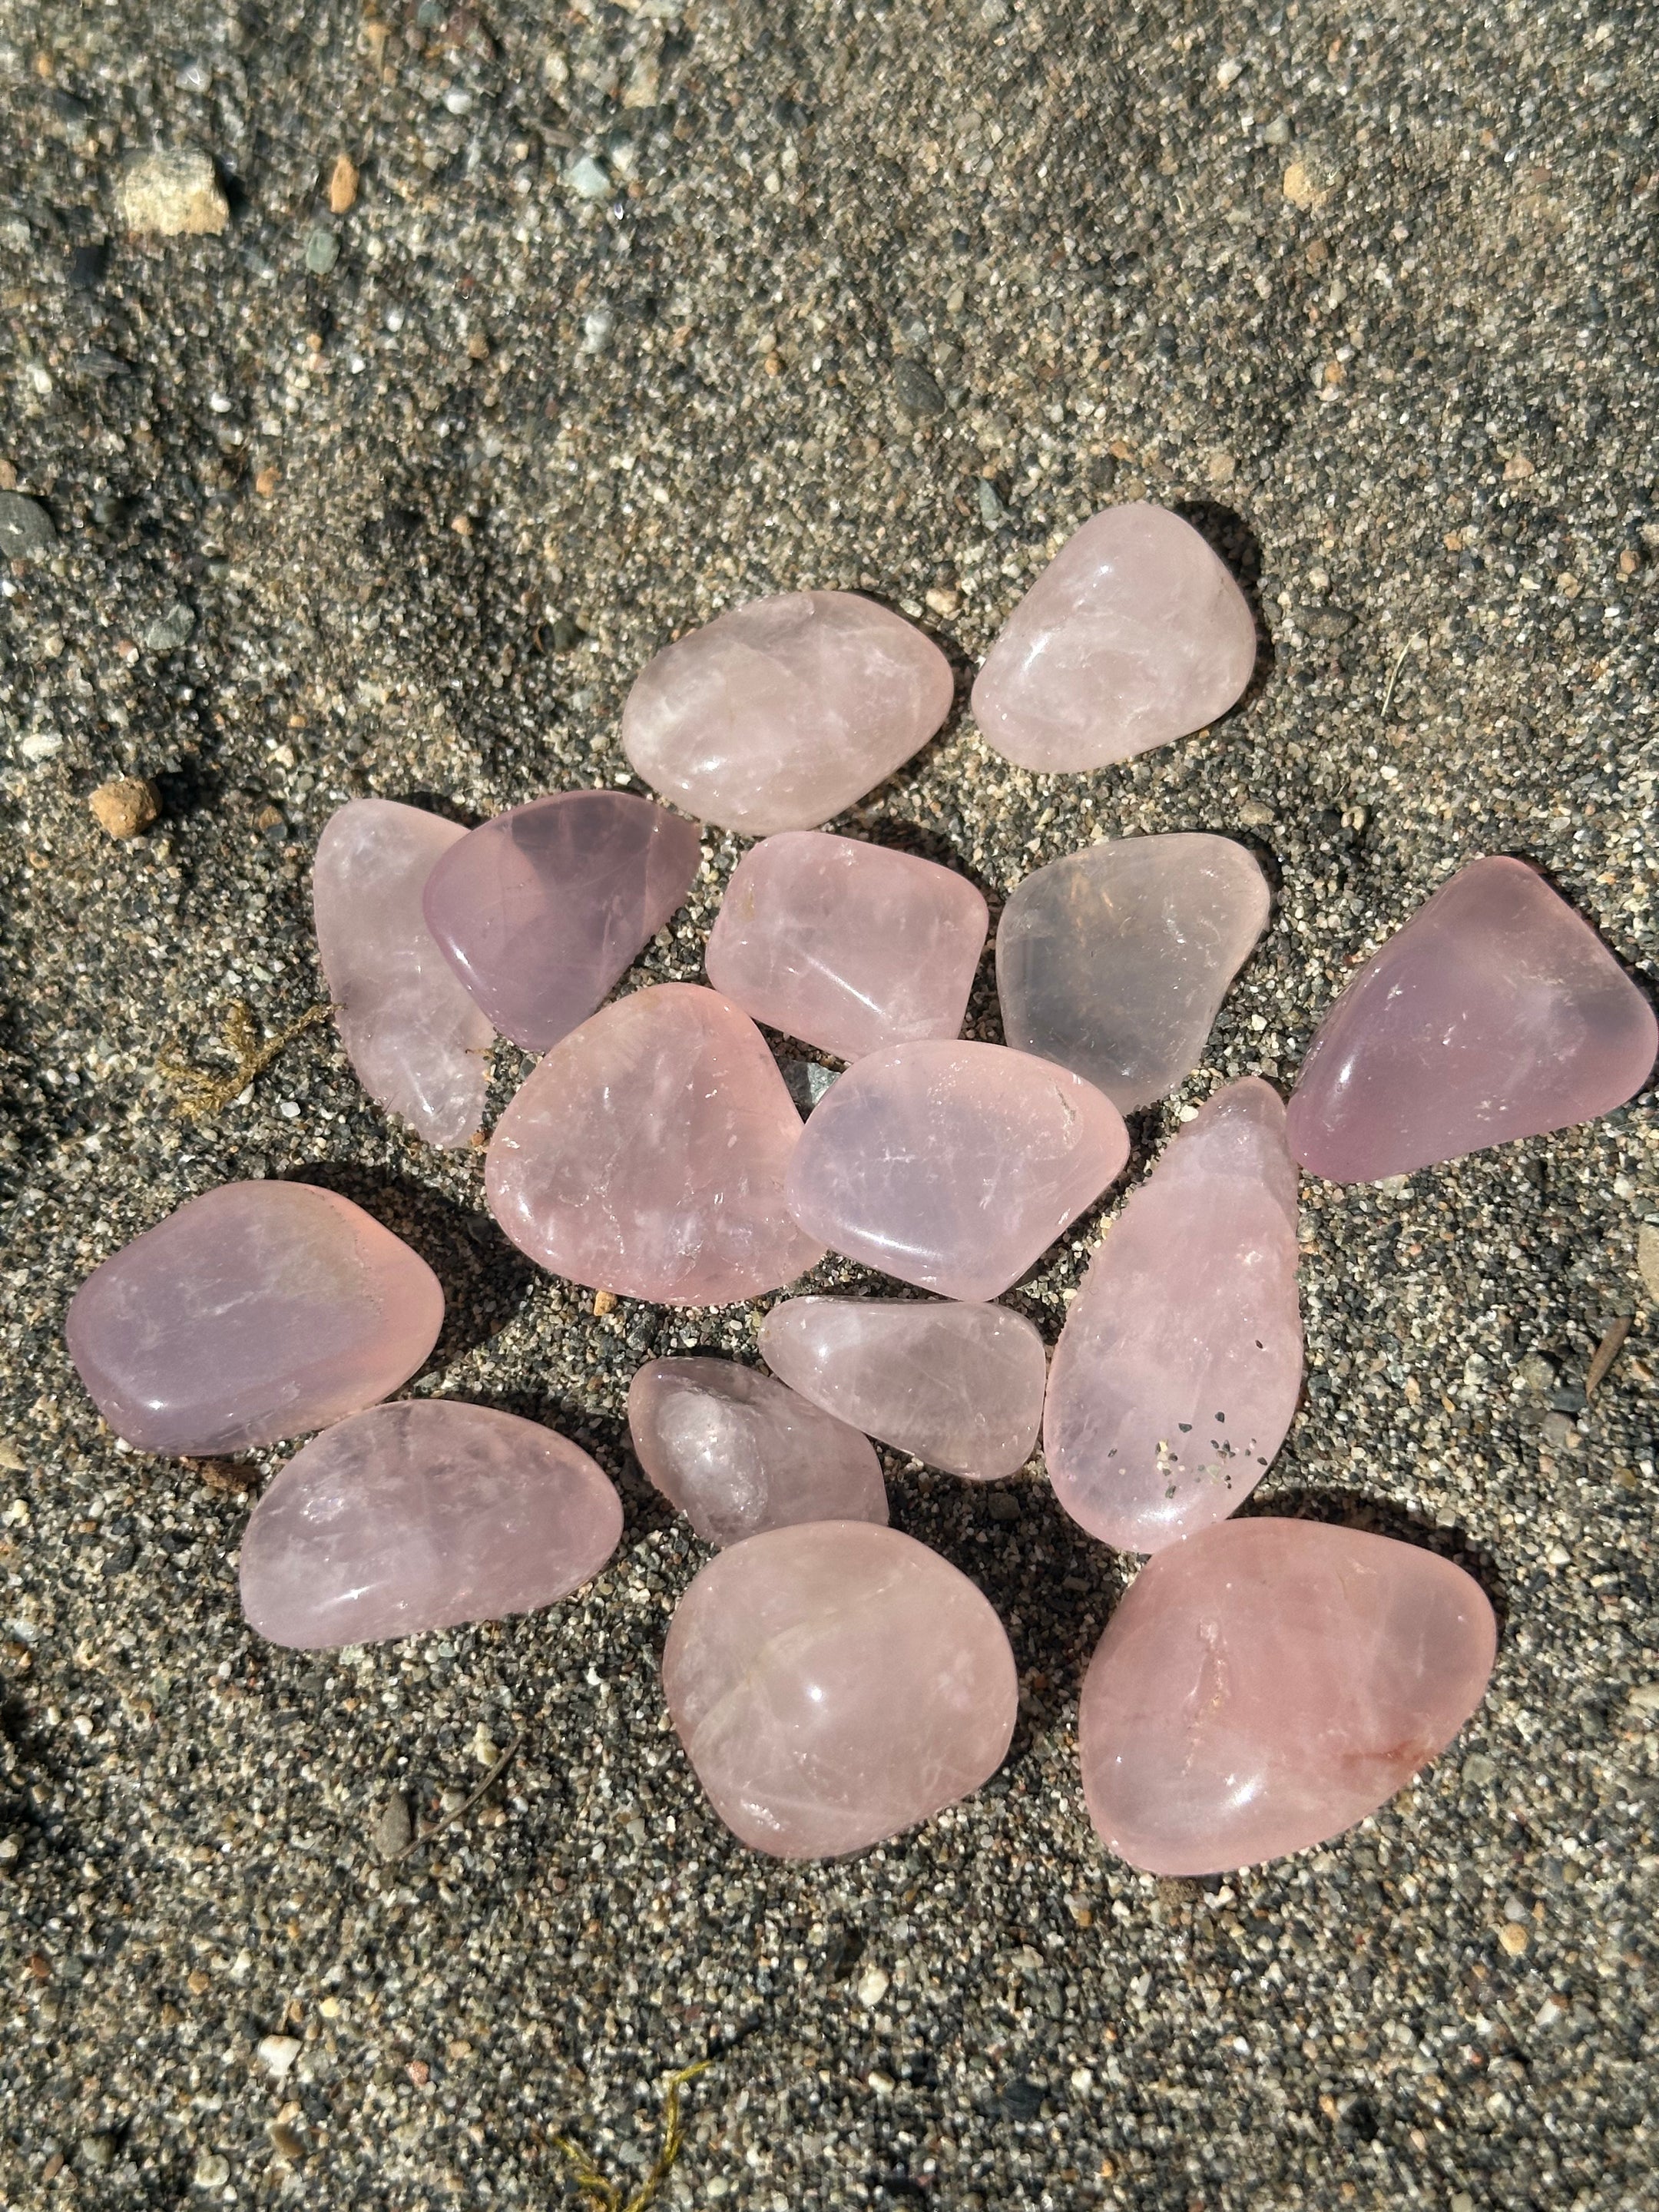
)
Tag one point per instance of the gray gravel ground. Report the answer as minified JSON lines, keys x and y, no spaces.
{"x":640,"y":310}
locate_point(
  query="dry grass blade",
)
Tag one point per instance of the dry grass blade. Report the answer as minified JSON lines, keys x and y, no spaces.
{"x":1606,"y":1353}
{"x":201,"y":1093}
{"x":607,"y":2195}
{"x":436,"y":1828}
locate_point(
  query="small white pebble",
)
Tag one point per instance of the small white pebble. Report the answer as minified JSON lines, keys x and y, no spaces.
{"x":874,"y":1985}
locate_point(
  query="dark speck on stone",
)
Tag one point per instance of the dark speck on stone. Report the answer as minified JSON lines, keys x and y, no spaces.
{"x":86,"y":267}
{"x":1020,"y":2100}
{"x":917,"y":387}
{"x":26,"y":528}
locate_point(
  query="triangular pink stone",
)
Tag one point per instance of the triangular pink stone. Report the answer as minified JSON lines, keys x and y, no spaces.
{"x":1496,"y":1012}
{"x":647,"y":1154}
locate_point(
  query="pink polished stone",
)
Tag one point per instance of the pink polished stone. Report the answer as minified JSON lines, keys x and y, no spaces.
{"x":1265,"y":1685}
{"x":1134,"y":633}
{"x":738,"y":1454}
{"x":1113,"y":961}
{"x":420,"y":1046}
{"x":845,"y":945}
{"x":646,"y":1154}
{"x":953,"y":1166}
{"x":834,"y":1684}
{"x":256,"y":1312}
{"x":419,"y":1515}
{"x":1495,"y":1012}
{"x":784,"y":711}
{"x":1177,"y":1372}
{"x":542,"y":909}
{"x":959,"y":1386}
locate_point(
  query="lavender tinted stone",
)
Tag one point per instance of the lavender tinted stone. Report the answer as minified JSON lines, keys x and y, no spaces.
{"x":1495,"y":1012}
{"x":543,"y":909}
{"x":256,"y":1312}
{"x":1113,"y":961}
{"x":740,"y":1454}
{"x":1177,"y":1372}
{"x":846,"y":945}
{"x":780,"y":712}
{"x":1134,"y":633}
{"x":420,"y":1515}
{"x":420,"y":1046}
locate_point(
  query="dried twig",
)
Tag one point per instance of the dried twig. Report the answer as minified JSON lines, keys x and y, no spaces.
{"x":1606,"y":1353}
{"x":436,"y":1827}
{"x":200,"y":1093}
{"x":1394,"y":677}
{"x":607,"y":2195}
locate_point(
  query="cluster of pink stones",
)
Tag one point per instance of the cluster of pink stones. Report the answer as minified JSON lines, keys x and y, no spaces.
{"x":1264,"y":1683}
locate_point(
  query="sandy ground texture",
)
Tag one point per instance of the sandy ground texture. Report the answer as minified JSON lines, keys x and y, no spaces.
{"x":391,"y":486}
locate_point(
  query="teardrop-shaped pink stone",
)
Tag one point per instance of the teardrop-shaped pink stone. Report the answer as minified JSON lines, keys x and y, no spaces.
{"x":647,"y":1154}
{"x":1265,"y":1684}
{"x":1495,"y":1012}
{"x":1177,"y":1372}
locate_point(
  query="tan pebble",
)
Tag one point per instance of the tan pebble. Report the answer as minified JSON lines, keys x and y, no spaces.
{"x":604,"y":1301}
{"x":266,"y":481}
{"x":1647,"y":1258}
{"x":171,"y":192}
{"x":478,"y":347}
{"x":1629,"y":562}
{"x":1513,"y":1937}
{"x":126,"y":806}
{"x":944,"y":598}
{"x":1301,"y":189}
{"x":342,"y":184}
{"x":8,"y":476}
{"x":462,"y":526}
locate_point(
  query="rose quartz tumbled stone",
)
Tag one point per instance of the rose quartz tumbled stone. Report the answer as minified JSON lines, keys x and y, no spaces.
{"x":419,"y":1044}
{"x":846,"y":945}
{"x":253,"y":1313}
{"x":959,"y":1386}
{"x":1134,"y":633}
{"x":646,"y":1154}
{"x":1177,"y":1372}
{"x":834,"y":1684}
{"x":1113,"y":961}
{"x":543,"y":908}
{"x":1495,"y":1012}
{"x":740,"y":1454}
{"x":1265,"y":1684}
{"x":780,"y":712}
{"x":419,"y":1515}
{"x":953,"y":1166}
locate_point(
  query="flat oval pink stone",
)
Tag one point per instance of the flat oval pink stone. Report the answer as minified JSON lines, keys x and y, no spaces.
{"x":1265,"y":1685}
{"x":420,"y":1046}
{"x":780,"y":712}
{"x":740,"y":1454}
{"x":958,"y":1387}
{"x":256,"y":1312}
{"x":541,"y":910}
{"x":953,"y":1166}
{"x":835,"y":1684}
{"x":647,"y":1154}
{"x":1115,"y":961}
{"x":419,"y":1515}
{"x":845,"y":945}
{"x":1176,"y":1375}
{"x":1496,"y":1012}
{"x":1134,"y":633}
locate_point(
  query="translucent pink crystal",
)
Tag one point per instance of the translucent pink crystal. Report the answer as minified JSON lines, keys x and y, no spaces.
{"x":1134,"y":633}
{"x":1266,"y":1684}
{"x":256,"y":1312}
{"x":543,"y":908}
{"x":1177,"y":1372}
{"x":834,"y":1685}
{"x":420,"y":1046}
{"x":738,"y":1453}
{"x":1495,"y":1012}
{"x":646,"y":1154}
{"x":784,"y":711}
{"x":959,"y":1386}
{"x":1113,"y":961}
{"x":845,"y":945}
{"x":953,"y":1166}
{"x":418,"y":1515}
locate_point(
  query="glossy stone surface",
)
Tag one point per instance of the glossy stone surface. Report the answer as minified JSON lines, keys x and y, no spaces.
{"x":834,"y":1684}
{"x":737,"y":1453}
{"x":1134,"y":633}
{"x":543,"y":909}
{"x":646,"y":1154}
{"x":780,"y":712}
{"x":1265,"y":1685}
{"x":419,"y":1515}
{"x":959,"y":1386}
{"x":845,"y":945}
{"x":419,"y":1044}
{"x":256,"y":1312}
{"x":1113,"y":961}
{"x":1176,"y":1375}
{"x":1495,"y":1012}
{"x":953,"y":1166}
